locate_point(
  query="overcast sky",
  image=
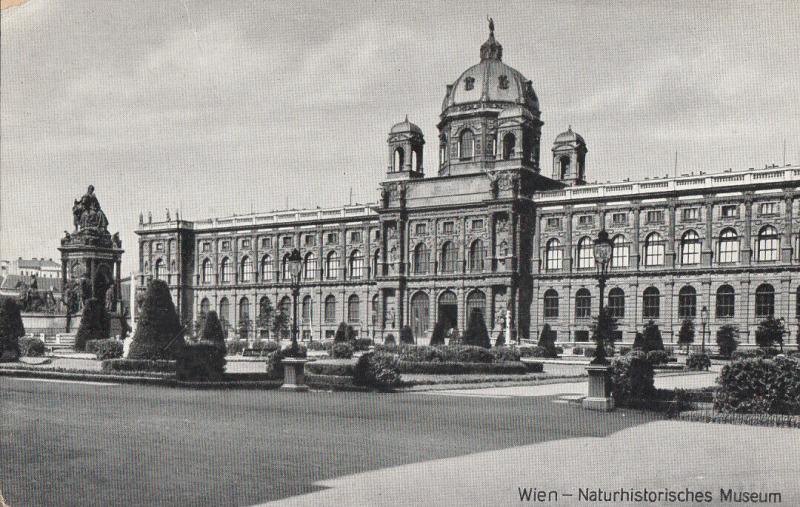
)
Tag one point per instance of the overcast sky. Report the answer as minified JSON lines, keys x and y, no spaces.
{"x":222,"y":107}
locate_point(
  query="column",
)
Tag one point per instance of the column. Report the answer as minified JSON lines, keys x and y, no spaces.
{"x":786,"y":244}
{"x":568,"y":247}
{"x":637,"y":211}
{"x":707,"y":252}
{"x":747,"y":249}
{"x":669,"y":257}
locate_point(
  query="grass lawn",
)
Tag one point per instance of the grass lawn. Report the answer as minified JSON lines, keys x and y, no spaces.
{"x":74,"y":444}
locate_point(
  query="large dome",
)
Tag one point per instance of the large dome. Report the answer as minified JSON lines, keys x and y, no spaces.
{"x":491,"y":81}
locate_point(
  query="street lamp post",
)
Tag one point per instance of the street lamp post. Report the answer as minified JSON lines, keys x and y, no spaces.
{"x":295,"y":266}
{"x":603,"y":250}
{"x":704,"y":320}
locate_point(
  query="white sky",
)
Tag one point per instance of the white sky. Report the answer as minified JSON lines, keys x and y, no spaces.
{"x":219,"y":107}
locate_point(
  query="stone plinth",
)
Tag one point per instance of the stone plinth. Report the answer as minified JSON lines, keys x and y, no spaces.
{"x":294,"y":374}
{"x":599,"y":389}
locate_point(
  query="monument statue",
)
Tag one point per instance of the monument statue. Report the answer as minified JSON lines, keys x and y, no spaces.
{"x":87,"y":213}
{"x":110,"y":298}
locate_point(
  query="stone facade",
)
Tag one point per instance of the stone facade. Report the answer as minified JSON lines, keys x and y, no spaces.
{"x":490,"y":232}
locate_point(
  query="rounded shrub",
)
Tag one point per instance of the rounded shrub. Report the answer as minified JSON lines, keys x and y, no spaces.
{"x":106,"y":349}
{"x":658,"y":357}
{"x":632,"y":378}
{"x":768,"y":386}
{"x":378,"y":370}
{"x":159,"y":333}
{"x":362,"y":344}
{"x":341,"y":350}
{"x":505,"y":354}
{"x":30,"y":346}
{"x":697,"y":361}
{"x":473,"y":354}
{"x":274,"y":365}
{"x":316,"y":346}
{"x":94,"y":324}
{"x":344,"y":333}
{"x":202,"y":361}
{"x":390,"y":339}
{"x":420,"y":353}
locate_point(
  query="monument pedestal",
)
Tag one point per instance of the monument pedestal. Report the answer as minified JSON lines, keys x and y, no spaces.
{"x":599,"y":397}
{"x":294,"y":374}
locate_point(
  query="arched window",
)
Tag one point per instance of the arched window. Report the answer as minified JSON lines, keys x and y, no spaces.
{"x":687,"y":302}
{"x":421,"y":259}
{"x":265,"y":314}
{"x":466,"y":145}
{"x":246,"y":270}
{"x":654,"y":250}
{"x":420,"y":313}
{"x":725,"y":301}
{"x":286,"y":272}
{"x":226,"y":271}
{"x":330,"y":308}
{"x":205,"y":307}
{"x":449,"y":257}
{"x":728,"y":246}
{"x":332,"y":266}
{"x":585,"y":253}
{"x":550,"y":304}
{"x":651,"y":303}
{"x":244,"y":317}
{"x":765,"y":301}
{"x":398,"y":160}
{"x":158,"y":269}
{"x":207,"y":271}
{"x":376,"y":259}
{"x":224,"y":313}
{"x":476,"y":301}
{"x":285,"y":306}
{"x":768,"y":245}
{"x":690,"y":248}
{"x":553,"y":253}
{"x":616,"y":303}
{"x":376,"y":309}
{"x":310,"y":267}
{"x":621,"y":252}
{"x":414,"y":160}
{"x":443,"y":150}
{"x":509,"y":143}
{"x":476,"y":256}
{"x":356,"y":265}
{"x":563,"y":164}
{"x":266,"y":268}
{"x":583,"y":304}
{"x":308,"y":309}
{"x":352,"y":309}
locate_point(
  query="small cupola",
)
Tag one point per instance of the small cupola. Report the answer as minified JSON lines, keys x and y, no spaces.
{"x":569,"y":158}
{"x":406,"y":144}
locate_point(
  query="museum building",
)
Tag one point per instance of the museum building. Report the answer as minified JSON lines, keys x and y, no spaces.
{"x":497,"y":230}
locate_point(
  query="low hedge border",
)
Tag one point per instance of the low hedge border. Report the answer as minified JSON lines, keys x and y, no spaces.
{"x":710,"y":416}
{"x":509,"y":367}
{"x":451,"y":382}
{"x":147,"y":365}
{"x":340,"y":368}
{"x":333,"y":383}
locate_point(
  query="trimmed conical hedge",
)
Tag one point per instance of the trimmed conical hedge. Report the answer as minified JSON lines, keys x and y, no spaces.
{"x":94,"y":324}
{"x":11,"y":329}
{"x":212,"y":329}
{"x":476,"y":333}
{"x":159,"y":334}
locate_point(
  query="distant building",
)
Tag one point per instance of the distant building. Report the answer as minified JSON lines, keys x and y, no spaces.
{"x":42,"y":268}
{"x":496,"y":231}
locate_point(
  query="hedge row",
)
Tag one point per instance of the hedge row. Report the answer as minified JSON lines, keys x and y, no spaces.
{"x":767,"y":386}
{"x":160,"y":366}
{"x":105,"y":349}
{"x":343,"y":368}
{"x":453,"y":368}
{"x":453,"y":353}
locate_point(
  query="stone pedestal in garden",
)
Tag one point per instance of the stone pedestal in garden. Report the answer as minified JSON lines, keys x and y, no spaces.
{"x":293,"y":374}
{"x":599,"y":388}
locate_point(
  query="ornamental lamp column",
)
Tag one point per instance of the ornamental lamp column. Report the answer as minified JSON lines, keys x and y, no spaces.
{"x":704,"y":321}
{"x":294,"y":364}
{"x":599,"y":395}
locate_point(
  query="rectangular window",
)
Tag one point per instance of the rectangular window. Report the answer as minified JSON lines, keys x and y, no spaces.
{"x":619,"y":219}
{"x":768,"y":208}
{"x":355,"y":237}
{"x":376,"y":234}
{"x":655,"y":217}
{"x":333,"y":238}
{"x":553,"y":223}
{"x":245,"y":243}
{"x":226,"y":245}
{"x":477,"y":225}
{"x":690,"y":214}
{"x":729,"y":211}
{"x":287,"y":241}
{"x":159,"y":247}
{"x":266,"y":242}
{"x":310,"y":240}
{"x":448,"y":227}
{"x":206,"y":246}
{"x":585,"y":220}
{"x":420,"y":228}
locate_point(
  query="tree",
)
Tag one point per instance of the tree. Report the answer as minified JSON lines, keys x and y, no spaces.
{"x":94,"y":325}
{"x":501,"y":338}
{"x":437,"y":337}
{"x":11,"y":329}
{"x":476,"y":333}
{"x":686,"y":334}
{"x":726,"y":339}
{"x":344,"y":333}
{"x":159,"y":334}
{"x":652,"y":337}
{"x":212,"y":329}
{"x":770,"y":331}
{"x":603,"y":331}
{"x":638,"y":341}
{"x":280,"y":324}
{"x":265,"y":314}
{"x":245,"y":325}
{"x":406,"y":335}
{"x":547,"y":341}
